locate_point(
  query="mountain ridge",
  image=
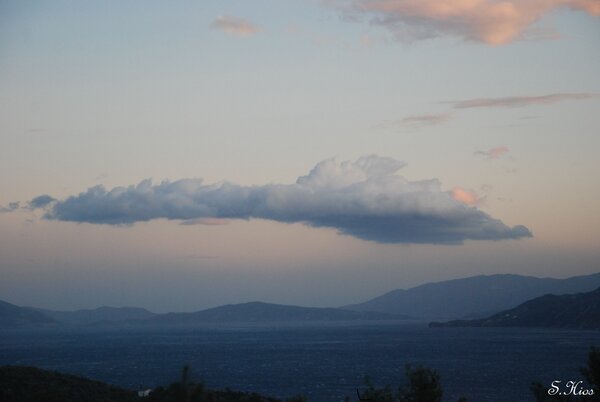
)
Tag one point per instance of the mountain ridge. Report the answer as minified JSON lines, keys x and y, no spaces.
{"x":573,"y":311}
{"x":269,"y":312}
{"x":99,"y":314}
{"x":13,"y":315}
{"x":250,"y":312}
{"x":478,"y":295}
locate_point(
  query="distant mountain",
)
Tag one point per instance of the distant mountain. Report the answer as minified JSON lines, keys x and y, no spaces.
{"x":578,"y":311}
{"x":266,"y":312}
{"x":99,"y":315}
{"x":11,"y":316}
{"x":477,"y":296}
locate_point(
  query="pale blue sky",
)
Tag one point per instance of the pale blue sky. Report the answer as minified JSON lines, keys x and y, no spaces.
{"x":113,"y":93}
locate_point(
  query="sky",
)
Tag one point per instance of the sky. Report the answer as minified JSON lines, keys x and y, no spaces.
{"x":182,"y":155}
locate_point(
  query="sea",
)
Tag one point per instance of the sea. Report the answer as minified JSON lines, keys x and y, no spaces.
{"x":323,"y":361}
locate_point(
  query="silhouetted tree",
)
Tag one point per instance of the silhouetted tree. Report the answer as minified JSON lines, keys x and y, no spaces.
{"x":297,"y":398}
{"x":188,"y":391}
{"x":592,"y":372}
{"x":374,"y":394}
{"x":423,"y":385}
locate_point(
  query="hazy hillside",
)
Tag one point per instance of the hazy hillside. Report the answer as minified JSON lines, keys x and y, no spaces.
{"x":266,"y":312}
{"x":100,"y":314}
{"x":473,"y":297}
{"x":477,"y":296}
{"x":578,"y":311}
{"x":11,"y":315}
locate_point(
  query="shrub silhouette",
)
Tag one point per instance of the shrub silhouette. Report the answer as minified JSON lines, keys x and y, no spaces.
{"x":187,"y":390}
{"x":423,"y":385}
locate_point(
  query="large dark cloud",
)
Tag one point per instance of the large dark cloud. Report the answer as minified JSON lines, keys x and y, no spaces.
{"x":365,"y":199}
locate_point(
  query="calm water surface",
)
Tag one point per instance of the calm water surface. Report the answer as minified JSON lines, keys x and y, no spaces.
{"x":325,"y":363}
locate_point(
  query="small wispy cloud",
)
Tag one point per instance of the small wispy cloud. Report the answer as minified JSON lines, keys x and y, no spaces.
{"x":493,"y":153}
{"x":41,"y":201}
{"x":425,"y":119}
{"x":414,"y":122}
{"x":365,"y":199}
{"x":13,"y":206}
{"x":521,"y":101}
{"x":488,"y":21}
{"x":234,"y":26}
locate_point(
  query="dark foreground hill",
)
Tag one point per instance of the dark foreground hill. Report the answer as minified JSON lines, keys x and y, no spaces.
{"x":11,"y":316}
{"x":474,"y":297}
{"x":577,"y":311}
{"x":30,"y":384}
{"x":267,"y":312}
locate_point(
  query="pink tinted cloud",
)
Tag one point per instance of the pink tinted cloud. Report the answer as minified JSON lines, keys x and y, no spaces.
{"x":234,"y":26}
{"x":521,"y":101}
{"x":494,"y":153}
{"x":465,"y":196}
{"x":494,"y":22}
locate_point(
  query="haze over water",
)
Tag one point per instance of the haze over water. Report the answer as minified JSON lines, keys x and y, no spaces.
{"x":325,"y":362}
